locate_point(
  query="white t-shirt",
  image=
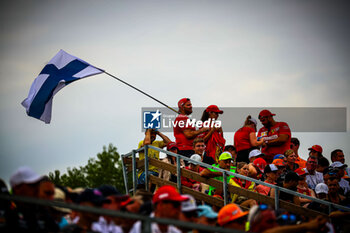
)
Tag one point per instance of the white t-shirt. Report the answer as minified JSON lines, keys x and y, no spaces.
{"x":344,"y":185}
{"x":137,"y":227}
{"x":103,"y":227}
{"x":313,"y":180}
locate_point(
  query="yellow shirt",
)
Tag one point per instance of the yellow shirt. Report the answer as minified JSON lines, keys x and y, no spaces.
{"x":151,"y":154}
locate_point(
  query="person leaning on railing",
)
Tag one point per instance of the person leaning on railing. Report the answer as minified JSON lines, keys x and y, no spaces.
{"x":224,"y":163}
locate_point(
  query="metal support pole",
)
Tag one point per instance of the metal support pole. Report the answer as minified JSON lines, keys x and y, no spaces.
{"x":178,"y":169}
{"x":276,"y":199}
{"x":125,"y":176}
{"x":146,"y":168}
{"x":146,"y":226}
{"x":134,"y":175}
{"x":224,"y":184}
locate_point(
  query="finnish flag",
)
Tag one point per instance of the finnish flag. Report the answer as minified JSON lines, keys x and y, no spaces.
{"x":61,"y":70}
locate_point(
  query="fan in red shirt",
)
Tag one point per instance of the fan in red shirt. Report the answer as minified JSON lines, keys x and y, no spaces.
{"x":245,"y":139}
{"x":184,"y":133}
{"x":277,"y":135}
{"x":214,"y":138}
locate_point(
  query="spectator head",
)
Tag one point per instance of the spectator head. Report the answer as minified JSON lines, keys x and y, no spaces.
{"x":61,"y":197}
{"x":206,"y":215}
{"x":280,"y":164}
{"x":302,"y":174}
{"x":333,"y":186}
{"x":188,"y":210}
{"x":172,"y":146}
{"x":261,"y":218}
{"x":199,"y":146}
{"x":232,"y":150}
{"x":279,"y":156}
{"x":153,"y":133}
{"x":225,"y":160}
{"x":260,"y":164}
{"x":243,"y":168}
{"x":194,"y":165}
{"x":321,"y":191}
{"x":211,"y":112}
{"x":340,"y":167}
{"x":291,"y":180}
{"x":330,"y":173}
{"x":185,"y":106}
{"x":167,"y":202}
{"x":271,"y":172}
{"x":294,"y":144}
{"x":316,"y":151}
{"x":250,"y":122}
{"x":254,"y":154}
{"x":311,"y":164}
{"x":231,"y":216}
{"x":337,"y":155}
{"x":24,"y":182}
{"x":323,"y":164}
{"x":290,"y":156}
{"x":266,"y":117}
{"x":116,"y":199}
{"x":46,"y":189}
{"x":93,"y":198}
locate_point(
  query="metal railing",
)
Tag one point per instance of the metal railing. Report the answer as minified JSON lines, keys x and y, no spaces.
{"x":146,"y":220}
{"x":225,"y":173}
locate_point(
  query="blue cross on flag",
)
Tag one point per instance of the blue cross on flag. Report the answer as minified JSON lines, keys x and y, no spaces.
{"x":61,"y":70}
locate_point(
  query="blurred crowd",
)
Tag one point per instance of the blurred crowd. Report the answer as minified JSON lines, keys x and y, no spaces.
{"x":269,"y":154}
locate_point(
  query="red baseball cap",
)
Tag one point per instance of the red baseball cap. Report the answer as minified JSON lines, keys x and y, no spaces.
{"x":260,"y":163}
{"x":168,"y":193}
{"x":300,"y":171}
{"x":265,"y":112}
{"x":214,"y":108}
{"x":182,"y":102}
{"x":171,"y":145}
{"x":316,"y":148}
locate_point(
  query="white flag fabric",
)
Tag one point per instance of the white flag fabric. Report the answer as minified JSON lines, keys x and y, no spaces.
{"x":58,"y":73}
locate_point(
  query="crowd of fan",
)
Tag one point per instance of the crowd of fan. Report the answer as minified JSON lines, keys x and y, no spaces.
{"x":270,"y":156}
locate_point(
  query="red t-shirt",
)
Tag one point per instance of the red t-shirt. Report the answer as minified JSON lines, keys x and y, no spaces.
{"x":278,"y":129}
{"x":179,"y":126}
{"x":241,"y":138}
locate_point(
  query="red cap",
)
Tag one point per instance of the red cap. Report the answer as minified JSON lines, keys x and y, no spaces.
{"x":266,"y":112}
{"x":316,"y":148}
{"x":229,"y":213}
{"x":168,"y":193}
{"x":182,"y":102}
{"x":171,"y":145}
{"x":260,"y":163}
{"x":300,"y":171}
{"x":214,"y":108}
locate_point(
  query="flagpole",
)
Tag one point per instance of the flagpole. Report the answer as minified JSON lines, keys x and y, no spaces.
{"x":139,"y":91}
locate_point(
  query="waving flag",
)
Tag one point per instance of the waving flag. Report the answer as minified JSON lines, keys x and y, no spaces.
{"x":61,"y":70}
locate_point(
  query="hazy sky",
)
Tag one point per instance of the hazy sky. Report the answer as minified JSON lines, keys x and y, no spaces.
{"x":229,"y":53}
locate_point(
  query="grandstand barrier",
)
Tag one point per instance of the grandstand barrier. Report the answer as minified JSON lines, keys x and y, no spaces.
{"x":132,"y":165}
{"x":146,"y":220}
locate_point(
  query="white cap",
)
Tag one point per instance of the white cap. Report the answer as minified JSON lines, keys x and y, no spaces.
{"x":254,"y":153}
{"x":189,"y":205}
{"x":196,"y":158}
{"x":338,"y":164}
{"x":321,"y":188}
{"x":253,"y":120}
{"x":24,"y":175}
